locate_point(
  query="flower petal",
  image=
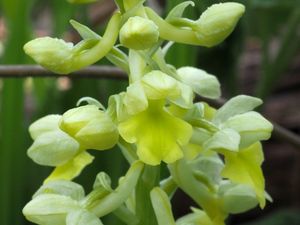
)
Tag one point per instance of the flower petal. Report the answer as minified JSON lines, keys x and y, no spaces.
{"x":244,"y":167}
{"x":135,"y":98}
{"x":158,"y":85}
{"x":71,"y":169}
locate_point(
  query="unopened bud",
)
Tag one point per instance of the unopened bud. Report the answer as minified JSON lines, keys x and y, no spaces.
{"x":52,"y":53}
{"x":139,"y":33}
{"x":92,"y":127}
{"x":218,"y":21}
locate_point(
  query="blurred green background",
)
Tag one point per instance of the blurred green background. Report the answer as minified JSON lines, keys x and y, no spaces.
{"x":261,"y":58}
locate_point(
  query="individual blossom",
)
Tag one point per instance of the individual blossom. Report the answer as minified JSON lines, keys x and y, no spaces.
{"x":158,"y":134}
{"x":235,"y":131}
{"x":54,"y":147}
{"x":61,"y":141}
{"x":214,"y":25}
{"x":62,"y":57}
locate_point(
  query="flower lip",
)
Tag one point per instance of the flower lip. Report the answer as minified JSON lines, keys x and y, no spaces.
{"x":157,"y":134}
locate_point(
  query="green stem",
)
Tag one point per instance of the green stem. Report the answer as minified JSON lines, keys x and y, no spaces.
{"x":169,"y":32}
{"x":168,"y":185}
{"x":147,"y":182}
{"x":102,"y":48}
{"x":126,"y":216}
{"x":115,"y":199}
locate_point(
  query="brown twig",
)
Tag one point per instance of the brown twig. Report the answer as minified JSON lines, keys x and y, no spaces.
{"x":96,"y":72}
{"x":110,"y":72}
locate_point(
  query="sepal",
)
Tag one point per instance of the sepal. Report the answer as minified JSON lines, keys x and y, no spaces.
{"x":53,"y":148}
{"x":223,"y":140}
{"x":82,"y":217}
{"x":44,"y":125}
{"x":237,"y":105}
{"x":202,"y":83}
{"x":237,"y":198}
{"x":251,"y":126}
{"x":61,"y":187}
{"x":49,"y":209}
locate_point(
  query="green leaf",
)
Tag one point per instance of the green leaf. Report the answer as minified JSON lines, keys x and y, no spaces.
{"x":178,"y":10}
{"x":244,"y":167}
{"x":84,"y":31}
{"x":237,"y":105}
